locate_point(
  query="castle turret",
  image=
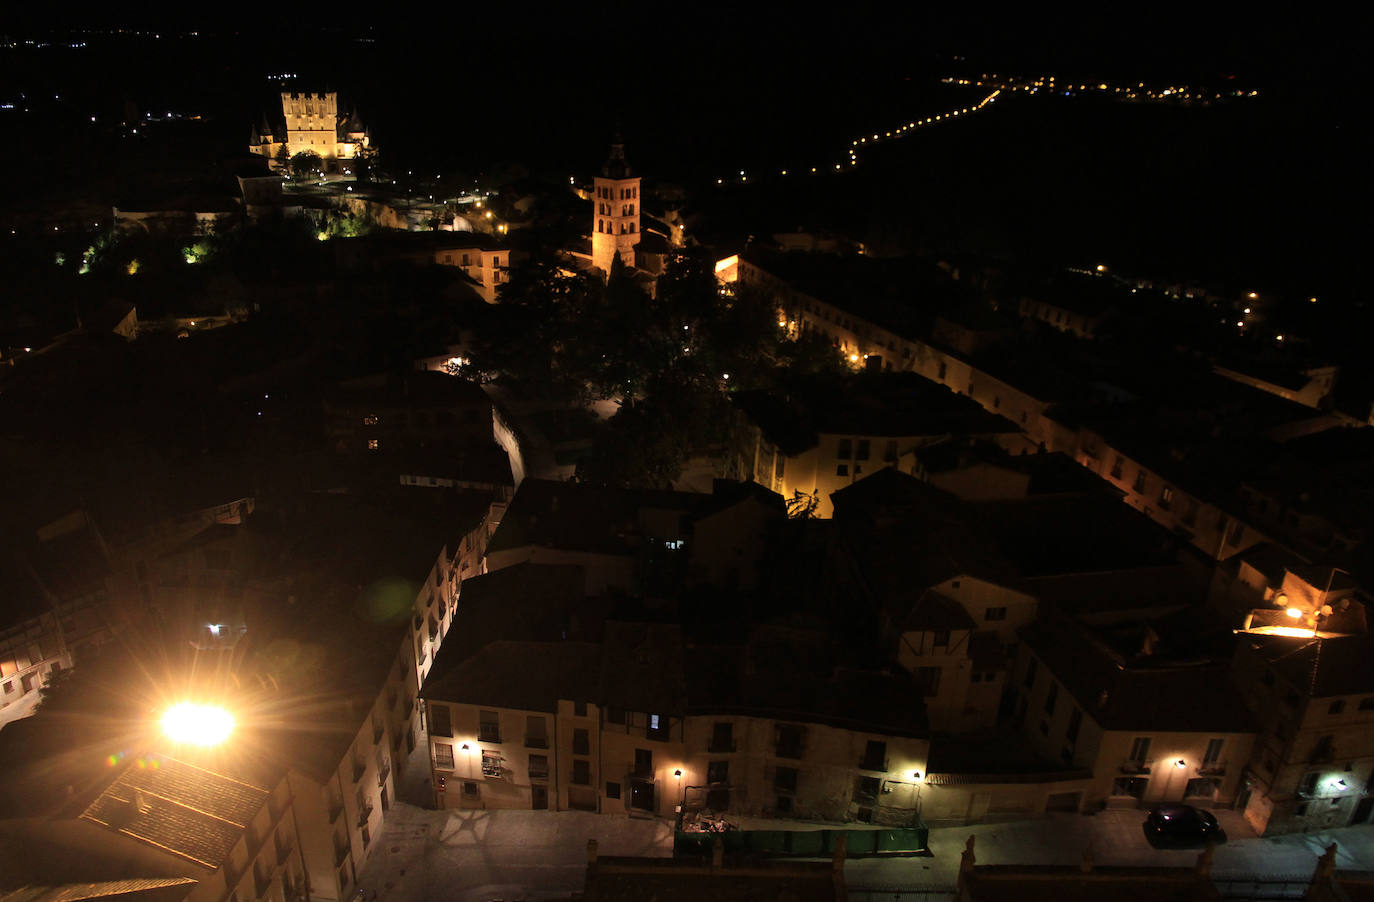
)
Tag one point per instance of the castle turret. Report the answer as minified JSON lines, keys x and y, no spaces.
{"x":615,"y":226}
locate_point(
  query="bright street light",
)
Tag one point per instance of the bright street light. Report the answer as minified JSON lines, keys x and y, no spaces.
{"x":196,"y":724}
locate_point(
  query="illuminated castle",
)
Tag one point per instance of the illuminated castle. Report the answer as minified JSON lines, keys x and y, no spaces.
{"x":313,"y":124}
{"x":616,"y":230}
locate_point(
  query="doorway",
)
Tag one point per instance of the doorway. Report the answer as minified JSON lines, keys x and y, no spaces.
{"x":642,"y":795}
{"x":539,"y":798}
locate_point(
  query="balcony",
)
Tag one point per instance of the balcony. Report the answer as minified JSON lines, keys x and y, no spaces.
{"x":1133,"y":766}
{"x":1212,"y":769}
{"x":364,"y":813}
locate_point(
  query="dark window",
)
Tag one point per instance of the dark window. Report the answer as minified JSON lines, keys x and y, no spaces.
{"x":539,"y":767}
{"x":1117,"y":465}
{"x":890,"y":451}
{"x":722,"y":737}
{"x":940,"y":374}
{"x":941,"y":639}
{"x":783,"y":805}
{"x":867,"y":788}
{"x":1075,"y":721}
{"x":470,"y":790}
{"x":861,"y":453}
{"x":1213,"y":753}
{"x":657,"y":727}
{"x":612,"y":790}
{"x":1309,"y":783}
{"x":1029,"y":681}
{"x":789,"y":741}
{"x":439,"y":723}
{"x":1336,"y":707}
{"x":875,"y":756}
{"x":1140,"y":481}
{"x":579,"y":709}
{"x":581,"y":742}
{"x":1140,"y":749}
{"x":581,"y":772}
{"x":928,"y":678}
{"x":615,"y":715}
{"x":718,"y":772}
{"x":489,"y":727}
{"x":644,"y":763}
{"x":1367,"y":704}
{"x":785,"y":779}
{"x":846,"y":449}
{"x":1051,"y":697}
{"x":842,"y":469}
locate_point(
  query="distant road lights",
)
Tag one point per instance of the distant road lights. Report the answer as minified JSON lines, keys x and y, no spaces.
{"x":1240,"y":325}
{"x":1101,"y":267}
{"x":196,"y":724}
{"x":1247,"y":311}
{"x":1252,"y":296}
{"x":1278,"y":338}
{"x":1312,"y":300}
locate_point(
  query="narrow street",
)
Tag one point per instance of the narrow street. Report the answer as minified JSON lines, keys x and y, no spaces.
{"x":481,"y":856}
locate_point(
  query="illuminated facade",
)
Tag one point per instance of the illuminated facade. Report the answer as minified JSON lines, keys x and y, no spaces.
{"x":615,"y":225}
{"x":313,"y":125}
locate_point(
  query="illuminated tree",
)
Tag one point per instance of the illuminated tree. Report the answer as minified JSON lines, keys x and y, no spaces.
{"x":306,"y":165}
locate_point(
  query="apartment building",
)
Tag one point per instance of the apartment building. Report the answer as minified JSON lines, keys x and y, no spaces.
{"x":1313,"y":696}
{"x":1151,"y":726}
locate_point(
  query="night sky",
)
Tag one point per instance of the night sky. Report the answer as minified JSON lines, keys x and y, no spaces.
{"x":1267,"y":190}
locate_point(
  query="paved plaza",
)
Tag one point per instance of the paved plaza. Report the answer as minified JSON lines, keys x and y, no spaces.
{"x":480,"y":856}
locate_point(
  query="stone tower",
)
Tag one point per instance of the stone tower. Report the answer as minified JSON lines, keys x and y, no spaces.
{"x":311,"y":122}
{"x":615,"y":230}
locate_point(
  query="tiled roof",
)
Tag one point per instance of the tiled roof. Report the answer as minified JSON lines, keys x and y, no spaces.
{"x":186,"y":810}
{"x":146,"y":889}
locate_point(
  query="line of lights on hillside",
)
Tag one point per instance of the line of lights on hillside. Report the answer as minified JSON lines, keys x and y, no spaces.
{"x":900,"y":131}
{"x":1134,"y":92}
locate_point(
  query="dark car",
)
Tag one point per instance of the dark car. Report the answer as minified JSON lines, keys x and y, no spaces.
{"x":1182,"y":827}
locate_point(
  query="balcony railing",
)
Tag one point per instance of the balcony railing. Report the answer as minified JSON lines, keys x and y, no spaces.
{"x":1212,"y":768}
{"x":1135,"y":766}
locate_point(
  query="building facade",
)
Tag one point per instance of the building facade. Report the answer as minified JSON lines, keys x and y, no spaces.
{"x":615,"y":192}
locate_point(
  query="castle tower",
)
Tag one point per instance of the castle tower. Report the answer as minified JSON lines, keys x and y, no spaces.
{"x":615,"y":226}
{"x":311,"y":122}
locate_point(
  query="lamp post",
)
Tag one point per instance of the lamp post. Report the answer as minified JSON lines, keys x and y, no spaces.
{"x":682,"y":792}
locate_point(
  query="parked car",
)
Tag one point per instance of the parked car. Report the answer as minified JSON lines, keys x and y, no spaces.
{"x":1182,"y":827}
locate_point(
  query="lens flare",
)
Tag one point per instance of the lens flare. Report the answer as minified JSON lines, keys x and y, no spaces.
{"x":196,"y":724}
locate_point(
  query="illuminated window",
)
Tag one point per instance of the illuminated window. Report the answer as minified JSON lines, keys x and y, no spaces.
{"x":374,"y":444}
{"x":1166,"y":498}
{"x":443,"y":755}
{"x":370,"y":420}
{"x":491,"y":764}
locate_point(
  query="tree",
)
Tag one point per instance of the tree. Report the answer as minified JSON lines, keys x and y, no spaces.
{"x":306,"y":164}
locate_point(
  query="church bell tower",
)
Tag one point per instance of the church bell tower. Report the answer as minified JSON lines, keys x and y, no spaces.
{"x":615,"y":229}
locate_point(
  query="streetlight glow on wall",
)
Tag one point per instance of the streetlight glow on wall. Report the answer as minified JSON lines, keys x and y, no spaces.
{"x":196,"y":724}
